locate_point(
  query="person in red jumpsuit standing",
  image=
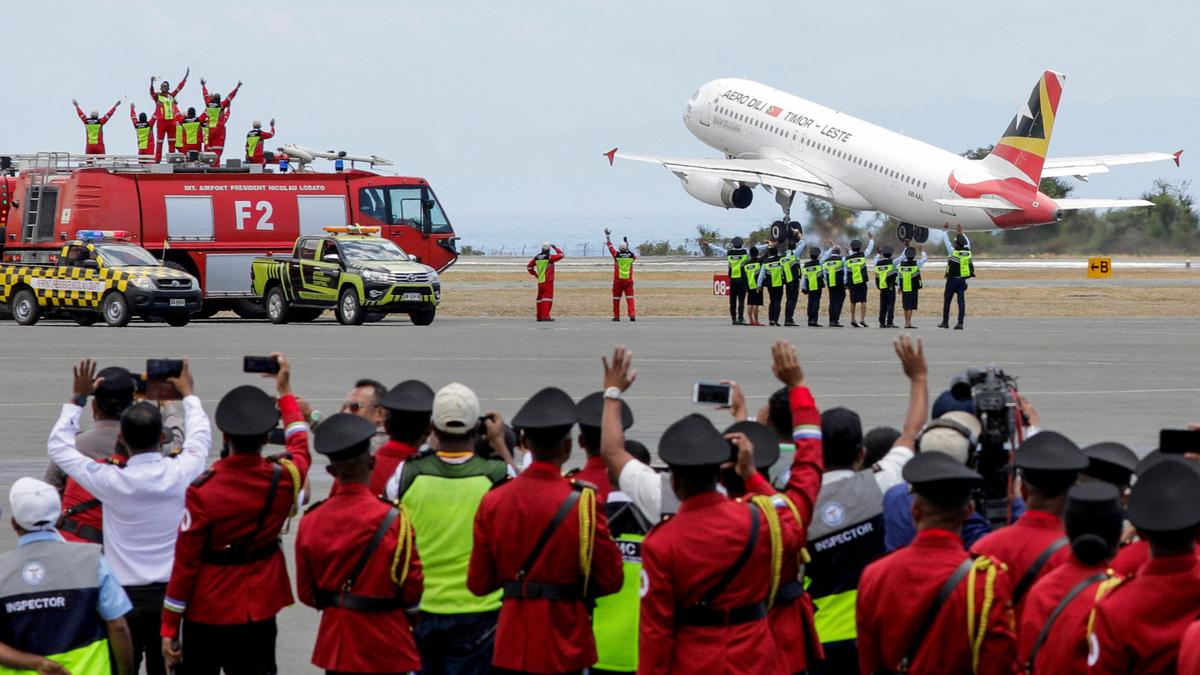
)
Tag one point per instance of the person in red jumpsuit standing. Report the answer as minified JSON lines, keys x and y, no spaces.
{"x":542,"y":268}
{"x":973,"y":630}
{"x":93,"y":123}
{"x":230,"y":578}
{"x":254,"y":142}
{"x":622,"y":276}
{"x":165,"y":111}
{"x":364,"y":605}
{"x":544,"y":540}
{"x":144,"y":128}
{"x":216,"y":110}
{"x":189,"y":131}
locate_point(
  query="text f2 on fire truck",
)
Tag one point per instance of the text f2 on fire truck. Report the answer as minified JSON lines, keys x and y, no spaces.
{"x":212,"y":222}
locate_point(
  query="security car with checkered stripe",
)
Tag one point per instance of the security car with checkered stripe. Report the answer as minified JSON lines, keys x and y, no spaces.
{"x":99,"y":276}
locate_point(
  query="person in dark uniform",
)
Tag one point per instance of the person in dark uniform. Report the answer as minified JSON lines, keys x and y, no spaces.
{"x":909,"y":280}
{"x":835,"y":280}
{"x":773,"y":276}
{"x":544,"y":541}
{"x":885,"y":281}
{"x":813,"y":280}
{"x":856,"y":280}
{"x":409,"y":407}
{"x":791,"y":285}
{"x":1048,"y":464}
{"x":971,"y":631}
{"x":737,"y":257}
{"x":1140,"y":623}
{"x":754,"y":290}
{"x":357,"y":562}
{"x":959,"y":268}
{"x":594,"y":471}
{"x":230,"y":578}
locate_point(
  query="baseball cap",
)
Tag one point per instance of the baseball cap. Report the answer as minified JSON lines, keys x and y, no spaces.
{"x":946,"y":435}
{"x":35,"y":504}
{"x":455,"y":409}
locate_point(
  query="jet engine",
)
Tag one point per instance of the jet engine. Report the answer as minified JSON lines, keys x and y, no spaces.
{"x":718,"y":192}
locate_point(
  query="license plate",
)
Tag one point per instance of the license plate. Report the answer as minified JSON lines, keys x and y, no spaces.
{"x":411,"y":296}
{"x":178,"y":302}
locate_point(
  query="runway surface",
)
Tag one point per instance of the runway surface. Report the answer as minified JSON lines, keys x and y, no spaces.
{"x":1093,"y":379}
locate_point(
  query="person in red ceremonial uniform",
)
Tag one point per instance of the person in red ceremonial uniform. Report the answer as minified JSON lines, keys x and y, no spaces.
{"x":409,"y":407}
{"x":1189,"y":651}
{"x":710,"y":571}
{"x":544,"y":541}
{"x":541,"y":266}
{"x":1048,"y":464}
{"x":230,"y":578}
{"x":591,"y":414}
{"x":356,"y":561}
{"x":1053,"y":628}
{"x":972,"y":630}
{"x":1139,"y":624}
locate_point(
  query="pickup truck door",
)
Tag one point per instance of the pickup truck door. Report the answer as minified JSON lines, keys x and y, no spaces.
{"x":73,"y":284}
{"x":319,"y":279}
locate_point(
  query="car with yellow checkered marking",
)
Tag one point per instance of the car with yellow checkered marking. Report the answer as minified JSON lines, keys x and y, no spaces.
{"x":352,"y":271}
{"x":96,"y":278}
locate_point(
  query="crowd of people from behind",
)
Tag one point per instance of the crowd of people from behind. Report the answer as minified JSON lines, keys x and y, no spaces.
{"x":174,"y":128}
{"x":452,"y":541}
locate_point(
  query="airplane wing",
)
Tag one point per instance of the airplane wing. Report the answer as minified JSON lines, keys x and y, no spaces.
{"x":1074,"y":204}
{"x":1082,"y":167}
{"x":766,"y":172}
{"x":981,"y":203}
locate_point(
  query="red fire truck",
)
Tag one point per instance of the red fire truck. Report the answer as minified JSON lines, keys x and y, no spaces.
{"x":210,"y":222}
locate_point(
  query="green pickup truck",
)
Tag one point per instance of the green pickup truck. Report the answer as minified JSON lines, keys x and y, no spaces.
{"x":354,"y":274}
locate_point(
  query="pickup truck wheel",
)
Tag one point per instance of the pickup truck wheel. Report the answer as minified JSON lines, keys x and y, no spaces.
{"x":25,"y":309}
{"x":423,"y":317}
{"x":115,"y":309}
{"x":86,"y":319}
{"x":178,"y":320}
{"x":277,"y":305}
{"x":349,"y":312}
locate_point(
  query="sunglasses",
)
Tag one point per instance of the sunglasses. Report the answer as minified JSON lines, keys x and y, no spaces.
{"x":355,"y":406}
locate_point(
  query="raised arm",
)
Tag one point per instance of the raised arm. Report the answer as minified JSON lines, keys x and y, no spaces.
{"x":79,"y":111}
{"x":808,"y":464}
{"x":132,"y":114}
{"x":204,"y":89}
{"x":558,"y":254}
{"x":182,"y":82}
{"x":619,"y":374}
{"x":870,"y":244}
{"x":229,"y":98}
{"x":197,"y":434}
{"x":912,"y":360}
{"x":93,"y":476}
{"x":108,"y":115}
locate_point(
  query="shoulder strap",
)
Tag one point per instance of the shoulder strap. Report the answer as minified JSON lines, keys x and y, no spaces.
{"x":276,"y":475}
{"x":544,"y":537}
{"x":1062,"y":606}
{"x":81,"y":507}
{"x":934,"y":610}
{"x":734,"y":569}
{"x":1031,"y":574}
{"x":372,"y":545}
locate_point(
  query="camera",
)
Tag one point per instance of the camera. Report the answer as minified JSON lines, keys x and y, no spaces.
{"x":994,"y":396}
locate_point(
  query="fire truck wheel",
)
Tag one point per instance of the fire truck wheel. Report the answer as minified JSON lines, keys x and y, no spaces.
{"x":208,"y":310}
{"x":177,"y":320}
{"x":277,"y":305}
{"x":25,"y":309}
{"x":349,"y":312}
{"x":423,"y":317}
{"x":86,"y":319}
{"x":249,"y":309}
{"x":115,"y":309}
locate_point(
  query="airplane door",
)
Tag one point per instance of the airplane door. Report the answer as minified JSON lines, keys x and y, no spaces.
{"x":706,"y":113}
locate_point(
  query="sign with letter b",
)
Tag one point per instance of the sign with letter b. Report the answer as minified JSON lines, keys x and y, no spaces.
{"x":1099,"y":268}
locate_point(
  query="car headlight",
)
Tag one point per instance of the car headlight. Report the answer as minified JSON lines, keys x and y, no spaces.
{"x":144,"y":283}
{"x":375,"y":276}
{"x":433,"y":276}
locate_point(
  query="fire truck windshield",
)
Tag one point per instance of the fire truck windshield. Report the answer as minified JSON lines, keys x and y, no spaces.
{"x":402,"y":205}
{"x":125,"y":255}
{"x":371,"y":250}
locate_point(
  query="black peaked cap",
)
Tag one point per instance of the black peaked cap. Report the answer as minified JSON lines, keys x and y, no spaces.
{"x":1093,"y":500}
{"x":1110,"y":462}
{"x":591,"y":411}
{"x":1164,"y":499}
{"x":764,"y":439}
{"x":693,"y":441}
{"x":935,"y":473}
{"x":247,"y":411}
{"x":1050,"y":451}
{"x":343,"y":436}
{"x":547,"y":409}
{"x":409,"y":396}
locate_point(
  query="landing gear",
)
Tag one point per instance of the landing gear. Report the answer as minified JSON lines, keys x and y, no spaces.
{"x":909,"y":232}
{"x":786,"y":231}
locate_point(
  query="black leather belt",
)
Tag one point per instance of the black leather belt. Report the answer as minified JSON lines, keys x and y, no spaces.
{"x":707,"y":616}
{"x":358,"y":603}
{"x":239,"y":556}
{"x":531,"y":590}
{"x":788,"y":592}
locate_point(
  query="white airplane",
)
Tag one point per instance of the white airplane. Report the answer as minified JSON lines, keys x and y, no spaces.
{"x":788,"y":145}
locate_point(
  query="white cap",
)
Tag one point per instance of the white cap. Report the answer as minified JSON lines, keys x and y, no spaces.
{"x":455,"y":409}
{"x":35,"y":504}
{"x":949,"y":441}
{"x":256,"y":124}
{"x":545,"y":244}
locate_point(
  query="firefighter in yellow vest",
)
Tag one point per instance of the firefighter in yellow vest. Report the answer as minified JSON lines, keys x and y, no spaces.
{"x":856,"y":280}
{"x":885,"y":281}
{"x":959,"y":268}
{"x":773,"y":276}
{"x":812,"y":280}
{"x":189,"y":131}
{"x":541,"y":266}
{"x":909,"y":280}
{"x":165,"y":112}
{"x":144,"y":128}
{"x":835,"y":281}
{"x":622,"y":276}
{"x":216,"y":112}
{"x":254,"y":142}
{"x":737,"y":256}
{"x":93,"y":123}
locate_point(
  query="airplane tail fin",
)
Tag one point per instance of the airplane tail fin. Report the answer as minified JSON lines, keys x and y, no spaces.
{"x":1023,"y":144}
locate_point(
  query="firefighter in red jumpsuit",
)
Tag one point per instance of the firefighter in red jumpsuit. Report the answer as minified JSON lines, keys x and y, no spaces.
{"x":165,"y":111}
{"x":254,"y":142}
{"x":622,"y":276}
{"x":216,"y":111}
{"x":542,"y":267}
{"x":94,"y":124}
{"x":189,"y":131}
{"x":144,"y":128}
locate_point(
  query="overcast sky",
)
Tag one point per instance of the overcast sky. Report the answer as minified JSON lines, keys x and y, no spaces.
{"x":506,"y":107}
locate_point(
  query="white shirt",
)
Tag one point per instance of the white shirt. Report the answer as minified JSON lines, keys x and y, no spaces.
{"x":644,"y":488}
{"x":891,"y":468}
{"x":143,"y":502}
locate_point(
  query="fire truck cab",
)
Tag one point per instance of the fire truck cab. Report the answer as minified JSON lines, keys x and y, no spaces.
{"x":210,"y":222}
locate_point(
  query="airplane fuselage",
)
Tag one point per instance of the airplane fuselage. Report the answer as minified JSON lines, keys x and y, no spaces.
{"x":867,"y":167}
